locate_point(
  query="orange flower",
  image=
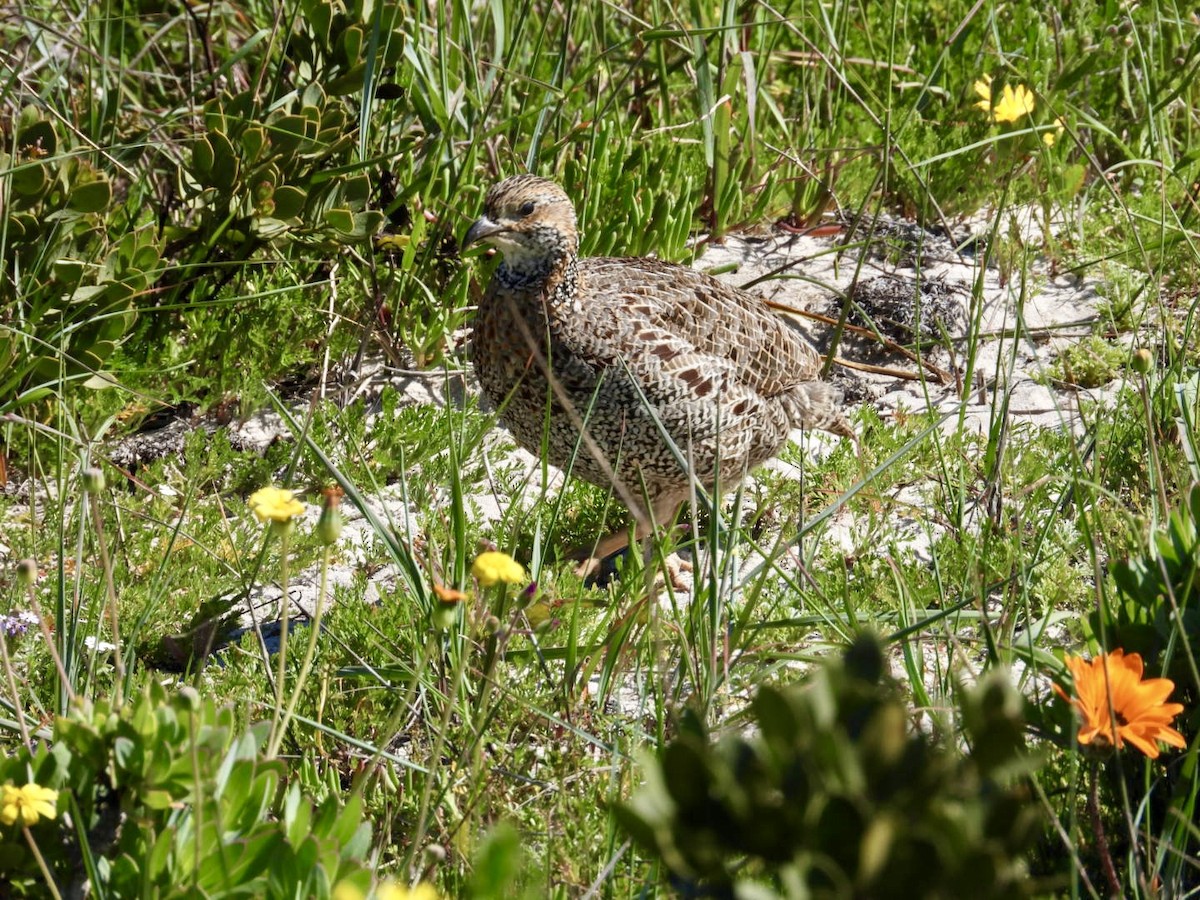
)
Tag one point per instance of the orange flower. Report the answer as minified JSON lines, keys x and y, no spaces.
{"x":1110,"y":687}
{"x":448,"y":594}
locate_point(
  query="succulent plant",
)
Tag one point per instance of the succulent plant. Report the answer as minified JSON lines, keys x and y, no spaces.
{"x":69,"y":290}
{"x":332,"y":44}
{"x":168,"y":796}
{"x":260,"y":174}
{"x":837,"y":795}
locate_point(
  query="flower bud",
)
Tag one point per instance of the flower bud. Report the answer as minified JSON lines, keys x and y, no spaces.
{"x":445,"y":615}
{"x":27,"y":572}
{"x":282,"y":528}
{"x":1143,"y":361}
{"x":93,"y":480}
{"x":329,"y":525}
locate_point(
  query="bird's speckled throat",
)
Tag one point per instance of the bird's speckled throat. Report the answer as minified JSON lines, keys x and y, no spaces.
{"x":540,"y":262}
{"x":531,"y":221}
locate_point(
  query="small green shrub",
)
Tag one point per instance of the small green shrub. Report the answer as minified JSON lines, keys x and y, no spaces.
{"x":1091,"y":363}
{"x":1157,"y":600}
{"x":262,"y":174}
{"x":74,"y":268}
{"x":839,"y":796}
{"x":166,"y":798}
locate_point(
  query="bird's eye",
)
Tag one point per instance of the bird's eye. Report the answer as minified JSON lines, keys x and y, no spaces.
{"x":526,"y":208}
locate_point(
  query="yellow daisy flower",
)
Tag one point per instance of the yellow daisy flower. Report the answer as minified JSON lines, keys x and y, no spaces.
{"x":494,"y":567}
{"x":983,"y":88}
{"x":25,"y":805}
{"x":272,"y":504}
{"x":1014,"y":103}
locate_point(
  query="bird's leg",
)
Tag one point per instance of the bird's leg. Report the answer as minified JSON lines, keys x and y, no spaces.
{"x":592,"y":557}
{"x":662,"y":510}
{"x":666,"y":509}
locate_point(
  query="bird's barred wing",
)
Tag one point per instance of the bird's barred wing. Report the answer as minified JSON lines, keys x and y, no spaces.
{"x":700,"y":322}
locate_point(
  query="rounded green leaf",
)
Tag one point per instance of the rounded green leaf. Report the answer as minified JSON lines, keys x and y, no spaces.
{"x":90,"y":196}
{"x":341,"y":219}
{"x":30,"y":180}
{"x":225,"y":166}
{"x":289,"y":202}
{"x":254,"y":139}
{"x":352,"y":44}
{"x":202,"y":160}
{"x":287,"y":132}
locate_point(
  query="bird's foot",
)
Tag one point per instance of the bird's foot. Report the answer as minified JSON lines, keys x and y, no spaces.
{"x":590,"y":570}
{"x":676,"y":566}
{"x":596,"y":572}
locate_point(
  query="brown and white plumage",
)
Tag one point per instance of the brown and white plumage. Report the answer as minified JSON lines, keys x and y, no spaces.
{"x":618,"y":343}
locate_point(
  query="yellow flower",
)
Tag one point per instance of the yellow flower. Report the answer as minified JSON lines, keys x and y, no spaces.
{"x":272,"y":504}
{"x":1137,"y":712}
{"x":983,"y":88}
{"x":1050,"y":138}
{"x":389,"y":890}
{"x":25,"y":805}
{"x":387,"y":242}
{"x":1014,"y":102}
{"x":493,"y":567}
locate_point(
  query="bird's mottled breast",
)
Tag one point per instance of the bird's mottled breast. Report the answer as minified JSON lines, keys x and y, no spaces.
{"x":521,"y":333}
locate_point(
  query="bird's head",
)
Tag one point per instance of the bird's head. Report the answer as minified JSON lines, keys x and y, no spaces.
{"x":531,"y":221}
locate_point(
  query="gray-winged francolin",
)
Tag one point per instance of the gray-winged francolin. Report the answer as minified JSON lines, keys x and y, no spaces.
{"x":627,"y":349}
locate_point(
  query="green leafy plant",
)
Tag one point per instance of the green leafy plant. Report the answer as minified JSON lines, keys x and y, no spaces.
{"x":839,"y":796}
{"x":1091,"y":363}
{"x":331,"y":43}
{"x":263,"y":174}
{"x":1158,"y":599}
{"x":75,"y":269}
{"x":166,"y":796}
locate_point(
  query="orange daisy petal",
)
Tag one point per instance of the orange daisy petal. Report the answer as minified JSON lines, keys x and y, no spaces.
{"x":1148,"y":747}
{"x":1110,"y":687}
{"x":448,"y":594}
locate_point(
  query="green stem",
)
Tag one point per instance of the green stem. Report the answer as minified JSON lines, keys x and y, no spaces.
{"x":1156,"y":473}
{"x":441,"y":737}
{"x":36,"y":608}
{"x":37,"y":854}
{"x":281,"y":670}
{"x":110,"y":585}
{"x":314,"y":632}
{"x":12,"y":687}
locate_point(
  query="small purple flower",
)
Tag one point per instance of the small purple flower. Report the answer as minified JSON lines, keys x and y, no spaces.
{"x":17,"y":623}
{"x":530,"y":591}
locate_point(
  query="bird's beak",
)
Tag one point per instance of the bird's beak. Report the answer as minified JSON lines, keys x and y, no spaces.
{"x":481,"y":230}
